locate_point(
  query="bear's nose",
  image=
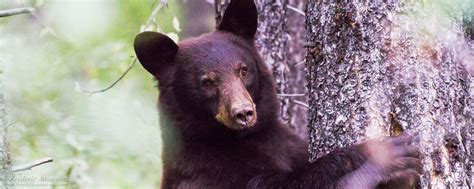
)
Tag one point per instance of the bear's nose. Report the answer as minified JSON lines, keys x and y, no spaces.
{"x":243,"y":114}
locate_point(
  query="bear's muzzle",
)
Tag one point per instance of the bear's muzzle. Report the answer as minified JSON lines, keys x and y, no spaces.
{"x":236,"y":108}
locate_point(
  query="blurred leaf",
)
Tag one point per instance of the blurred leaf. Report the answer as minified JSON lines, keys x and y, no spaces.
{"x":176,"y":24}
{"x":47,"y":31}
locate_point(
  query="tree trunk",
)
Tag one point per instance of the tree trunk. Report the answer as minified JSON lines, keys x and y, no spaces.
{"x":196,"y":18}
{"x":468,"y":20}
{"x":279,"y":38}
{"x":6,"y":176}
{"x":379,"y":69}
{"x":298,"y":108}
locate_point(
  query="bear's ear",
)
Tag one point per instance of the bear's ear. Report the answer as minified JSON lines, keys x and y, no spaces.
{"x":155,"y":51}
{"x":240,"y":18}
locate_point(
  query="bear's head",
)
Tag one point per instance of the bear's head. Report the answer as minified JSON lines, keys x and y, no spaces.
{"x":217,"y":74}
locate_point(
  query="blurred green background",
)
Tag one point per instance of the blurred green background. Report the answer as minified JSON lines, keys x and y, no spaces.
{"x":103,"y":140}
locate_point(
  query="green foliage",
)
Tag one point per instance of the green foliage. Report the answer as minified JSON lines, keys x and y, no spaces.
{"x":109,"y":139}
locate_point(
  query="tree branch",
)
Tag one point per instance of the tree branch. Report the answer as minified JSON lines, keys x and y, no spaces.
{"x":300,"y":63}
{"x":297,"y":102}
{"x":296,"y":10}
{"x":29,"y":166}
{"x":111,"y":85}
{"x":16,"y":11}
{"x":291,"y":95}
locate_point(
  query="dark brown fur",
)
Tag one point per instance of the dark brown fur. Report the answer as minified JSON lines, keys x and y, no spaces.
{"x":199,"y":151}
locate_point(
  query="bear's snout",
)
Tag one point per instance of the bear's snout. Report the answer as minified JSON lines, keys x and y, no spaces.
{"x":243,"y":114}
{"x":236,"y":108}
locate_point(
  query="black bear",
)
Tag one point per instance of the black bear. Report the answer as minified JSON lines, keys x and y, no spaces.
{"x":219,"y":120}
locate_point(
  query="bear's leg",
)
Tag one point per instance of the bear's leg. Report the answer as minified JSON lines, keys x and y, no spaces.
{"x":387,"y":162}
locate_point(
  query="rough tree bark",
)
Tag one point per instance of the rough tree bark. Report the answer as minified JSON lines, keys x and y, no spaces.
{"x":5,"y":161}
{"x":279,"y":38}
{"x":6,"y":175}
{"x":372,"y":71}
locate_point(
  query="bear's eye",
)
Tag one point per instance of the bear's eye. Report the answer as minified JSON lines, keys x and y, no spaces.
{"x":244,"y":71}
{"x":206,"y":82}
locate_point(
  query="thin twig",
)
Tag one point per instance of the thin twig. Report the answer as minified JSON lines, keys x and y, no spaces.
{"x":153,"y":14}
{"x":297,"y":102}
{"x":148,"y":22}
{"x":29,"y":166}
{"x":114,"y":83}
{"x":300,"y":63}
{"x":292,"y":95}
{"x":295,"y":9}
{"x":16,"y":11}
